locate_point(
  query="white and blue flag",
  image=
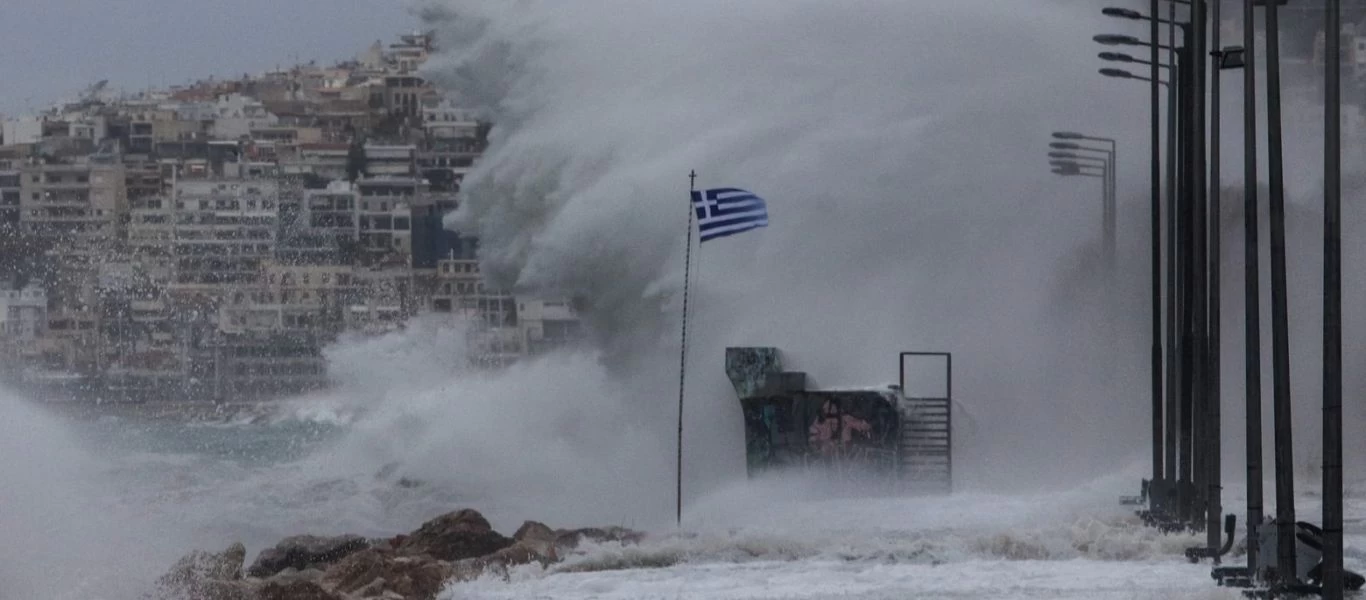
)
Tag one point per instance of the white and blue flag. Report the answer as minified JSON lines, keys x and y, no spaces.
{"x":728,"y":211}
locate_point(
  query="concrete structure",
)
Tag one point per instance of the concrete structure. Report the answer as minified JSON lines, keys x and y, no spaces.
{"x":237,"y":115}
{"x":334,"y":211}
{"x":73,"y":202}
{"x":862,"y":440}
{"x":400,"y":95}
{"x":22,"y":131}
{"x":325,"y":160}
{"x":443,"y":119}
{"x":547,"y":325}
{"x":207,"y":247}
{"x":411,"y":52}
{"x":387,"y":160}
{"x":385,"y":218}
{"x":223,"y":230}
{"x":23,"y":313}
{"x":10,"y":205}
{"x":384,"y":300}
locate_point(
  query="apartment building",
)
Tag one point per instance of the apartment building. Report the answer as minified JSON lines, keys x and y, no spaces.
{"x":10,"y":190}
{"x":23,"y":313}
{"x":81,"y":202}
{"x":223,"y":230}
{"x":385,"y":218}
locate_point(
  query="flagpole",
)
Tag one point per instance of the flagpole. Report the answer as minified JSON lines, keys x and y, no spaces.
{"x":683,"y":352}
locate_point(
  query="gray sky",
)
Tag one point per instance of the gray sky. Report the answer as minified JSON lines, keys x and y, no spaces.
{"x":50,"y":49}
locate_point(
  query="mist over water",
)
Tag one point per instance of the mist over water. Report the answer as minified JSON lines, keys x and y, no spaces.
{"x":902,"y":149}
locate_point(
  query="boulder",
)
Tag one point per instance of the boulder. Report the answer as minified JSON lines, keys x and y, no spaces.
{"x":539,"y":538}
{"x":304,"y":551}
{"x":454,"y":536}
{"x":535,"y":531}
{"x":375,"y":573}
{"x":297,"y":589}
{"x":207,"y":576}
{"x":520,"y":553}
{"x":571,"y":538}
{"x":291,"y":575}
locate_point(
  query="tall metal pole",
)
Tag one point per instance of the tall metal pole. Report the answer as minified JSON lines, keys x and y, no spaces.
{"x":1252,"y":342}
{"x":1187,"y":287}
{"x":1213,"y":465}
{"x":1280,"y":323}
{"x":1332,"y":305}
{"x":1199,"y":260}
{"x":1108,"y":213}
{"x":683,"y":351}
{"x":1155,"y":233}
{"x":1173,"y":349}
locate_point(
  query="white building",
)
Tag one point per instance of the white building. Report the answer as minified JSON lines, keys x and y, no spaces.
{"x":235,"y":116}
{"x":444,"y":120}
{"x":390,"y":159}
{"x":194,"y":111}
{"x":547,"y":324}
{"x":23,"y":131}
{"x":222,"y":230}
{"x":23,"y":313}
{"x":333,"y":212}
{"x":385,"y":215}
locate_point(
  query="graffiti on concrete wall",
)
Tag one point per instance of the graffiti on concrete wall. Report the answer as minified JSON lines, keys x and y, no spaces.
{"x":850,"y":432}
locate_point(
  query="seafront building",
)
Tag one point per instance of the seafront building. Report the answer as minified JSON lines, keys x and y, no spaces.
{"x":208,"y":241}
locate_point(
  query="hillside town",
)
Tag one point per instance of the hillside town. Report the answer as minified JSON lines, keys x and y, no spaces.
{"x":208,"y":241}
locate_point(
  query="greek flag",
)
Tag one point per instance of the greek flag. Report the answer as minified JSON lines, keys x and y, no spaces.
{"x":728,"y":211}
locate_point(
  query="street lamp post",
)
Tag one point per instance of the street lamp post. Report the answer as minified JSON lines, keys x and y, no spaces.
{"x":1214,"y":507}
{"x":1199,"y":264}
{"x":1159,"y":478}
{"x":1252,"y":319}
{"x":1071,"y":163}
{"x":1332,"y":305}
{"x":1155,"y":233}
{"x":1108,"y":208}
{"x":1168,"y":493}
{"x":1174,"y":150}
{"x":1280,"y":324}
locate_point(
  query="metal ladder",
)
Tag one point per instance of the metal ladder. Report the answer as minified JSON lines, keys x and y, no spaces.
{"x":925,"y":452}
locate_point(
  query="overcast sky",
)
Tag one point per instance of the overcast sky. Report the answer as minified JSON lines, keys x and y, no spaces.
{"x":51,"y":49}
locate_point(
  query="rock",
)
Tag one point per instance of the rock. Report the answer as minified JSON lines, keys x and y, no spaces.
{"x":291,"y":575}
{"x":205,"y":576}
{"x":520,"y":553}
{"x":296,"y":590}
{"x":539,"y":538}
{"x":375,"y":573}
{"x":454,"y":536}
{"x":304,"y":551}
{"x":570,"y":539}
{"x":532,"y":530}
